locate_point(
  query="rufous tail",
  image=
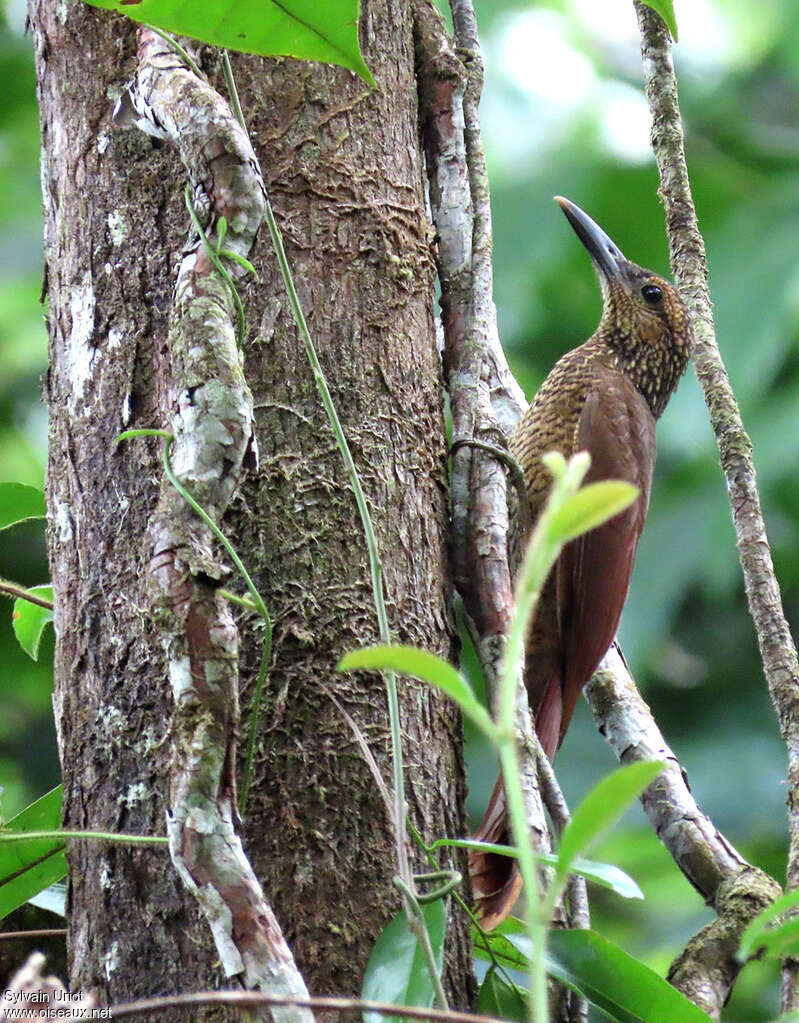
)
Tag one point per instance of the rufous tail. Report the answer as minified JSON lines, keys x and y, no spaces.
{"x":496,"y":881}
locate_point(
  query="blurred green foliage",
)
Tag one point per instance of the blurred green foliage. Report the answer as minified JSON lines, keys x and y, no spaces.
{"x":563,"y":113}
{"x":28,"y":758}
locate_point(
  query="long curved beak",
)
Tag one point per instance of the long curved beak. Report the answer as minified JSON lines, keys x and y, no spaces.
{"x":605,"y":253}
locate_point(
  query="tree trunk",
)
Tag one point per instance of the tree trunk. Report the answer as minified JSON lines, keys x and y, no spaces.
{"x":343,"y":167}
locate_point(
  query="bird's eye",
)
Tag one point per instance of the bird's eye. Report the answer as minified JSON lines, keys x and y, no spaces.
{"x":652,"y":293}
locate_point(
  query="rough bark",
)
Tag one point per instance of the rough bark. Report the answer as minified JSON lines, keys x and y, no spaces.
{"x":111,"y":241}
{"x":343,"y":168}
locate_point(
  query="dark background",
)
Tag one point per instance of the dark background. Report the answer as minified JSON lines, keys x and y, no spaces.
{"x":564,"y":113}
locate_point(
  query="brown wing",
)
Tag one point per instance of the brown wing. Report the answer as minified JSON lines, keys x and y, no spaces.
{"x":580,"y":607}
{"x":593,"y":572}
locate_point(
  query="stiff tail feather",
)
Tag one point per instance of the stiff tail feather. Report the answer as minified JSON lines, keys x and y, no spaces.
{"x":496,"y":881}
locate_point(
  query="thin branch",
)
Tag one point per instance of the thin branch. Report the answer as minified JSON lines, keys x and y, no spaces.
{"x":702,"y":853}
{"x":458,"y":193}
{"x":491,"y":401}
{"x":47,"y":932}
{"x":249,"y":1000}
{"x":23,"y":593}
{"x":777,"y":649}
{"x":255,"y":603}
{"x":371,"y":763}
{"x":57,"y":834}
{"x":738,"y":891}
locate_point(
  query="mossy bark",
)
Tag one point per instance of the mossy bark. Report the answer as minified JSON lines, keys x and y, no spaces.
{"x":343,"y":168}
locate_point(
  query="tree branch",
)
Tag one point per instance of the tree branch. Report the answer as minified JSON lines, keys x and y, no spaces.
{"x":777,"y":650}
{"x":249,"y":1000}
{"x":212,"y":423}
{"x":485,"y":400}
{"x":738,"y":891}
{"x":20,"y":592}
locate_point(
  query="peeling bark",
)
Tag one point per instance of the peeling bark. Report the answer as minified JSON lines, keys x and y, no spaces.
{"x":212,"y":422}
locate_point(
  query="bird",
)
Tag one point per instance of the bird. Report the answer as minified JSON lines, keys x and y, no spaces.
{"x":603,"y":397}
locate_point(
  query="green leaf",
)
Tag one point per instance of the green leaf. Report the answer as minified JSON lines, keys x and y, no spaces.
{"x":18,"y":503}
{"x":498,"y":999}
{"x":601,"y":808}
{"x":782,"y":940}
{"x":502,"y":948}
{"x":397,"y":971}
{"x":53,"y":899}
{"x":241,"y":260}
{"x":608,"y":876}
{"x":27,"y":868}
{"x":410,"y":660}
{"x":758,"y":934}
{"x":221,"y":232}
{"x":556,"y":464}
{"x":665,"y":9}
{"x":29,"y":620}
{"x":616,"y":983}
{"x":590,"y":507}
{"x":778,"y":940}
{"x":605,"y":874}
{"x":325,"y":30}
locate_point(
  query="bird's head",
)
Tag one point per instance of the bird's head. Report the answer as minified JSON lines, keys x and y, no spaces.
{"x":644,"y":321}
